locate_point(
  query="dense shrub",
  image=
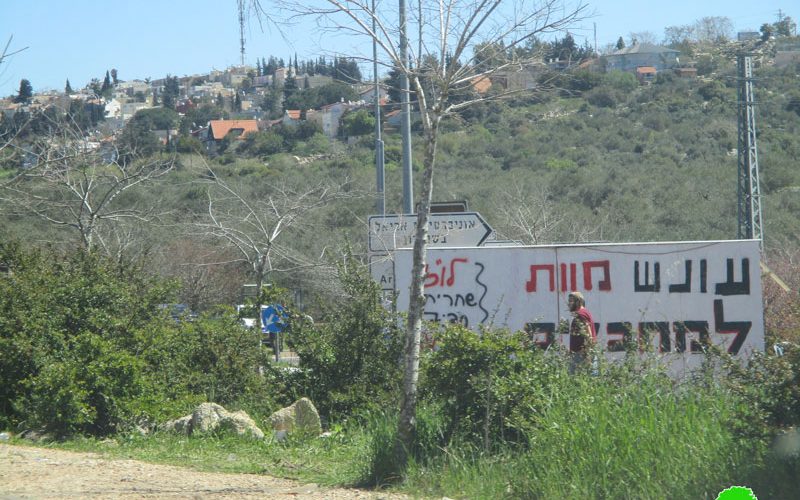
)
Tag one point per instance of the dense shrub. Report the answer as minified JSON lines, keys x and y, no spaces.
{"x":351,"y":361}
{"x":485,"y":382}
{"x":86,"y":347}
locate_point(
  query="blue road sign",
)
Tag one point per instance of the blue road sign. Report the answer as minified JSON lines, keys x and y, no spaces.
{"x":273,"y":318}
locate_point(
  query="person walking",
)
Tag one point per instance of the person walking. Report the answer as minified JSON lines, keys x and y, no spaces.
{"x":582,"y":333}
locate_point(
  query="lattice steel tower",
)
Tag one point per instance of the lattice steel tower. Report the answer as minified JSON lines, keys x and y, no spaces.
{"x":749,"y":192}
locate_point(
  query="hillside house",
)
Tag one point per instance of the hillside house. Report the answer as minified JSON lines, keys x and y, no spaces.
{"x":329,"y":117}
{"x":646,"y":75}
{"x":281,"y":74}
{"x":113,"y":109}
{"x":291,"y":117}
{"x":218,"y":129}
{"x":129,"y":109}
{"x":641,"y":55}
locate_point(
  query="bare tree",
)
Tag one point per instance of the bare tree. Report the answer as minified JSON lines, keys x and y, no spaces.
{"x":256,"y":224}
{"x":209,"y":274}
{"x":529,"y":214}
{"x":642,"y":37}
{"x":71,"y":181}
{"x":6,"y":53}
{"x":442,"y":77}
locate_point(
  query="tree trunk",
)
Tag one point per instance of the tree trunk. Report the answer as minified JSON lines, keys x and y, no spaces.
{"x":259,"y":293}
{"x":408,"y":407}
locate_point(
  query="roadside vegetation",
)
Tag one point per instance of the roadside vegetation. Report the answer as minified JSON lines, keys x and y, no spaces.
{"x":91,"y":359}
{"x":93,"y":356}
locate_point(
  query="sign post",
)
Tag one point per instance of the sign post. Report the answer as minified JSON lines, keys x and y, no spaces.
{"x":456,"y":229}
{"x":388,"y":233}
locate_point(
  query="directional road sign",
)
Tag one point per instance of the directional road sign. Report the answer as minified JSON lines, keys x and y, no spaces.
{"x":273,"y":318}
{"x":456,"y":229}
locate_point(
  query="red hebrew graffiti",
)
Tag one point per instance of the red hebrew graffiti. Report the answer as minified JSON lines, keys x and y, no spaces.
{"x":573,"y":277}
{"x":444,"y":275}
{"x":604,"y":284}
{"x":569,"y":276}
{"x":530,"y":286}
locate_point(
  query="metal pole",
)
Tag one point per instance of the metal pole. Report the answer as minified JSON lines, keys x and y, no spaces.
{"x":405,"y":116}
{"x":749,"y":190}
{"x":379,"y":171}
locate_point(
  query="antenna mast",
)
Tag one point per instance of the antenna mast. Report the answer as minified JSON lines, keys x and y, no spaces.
{"x":749,"y":192}
{"x":241,"y":29}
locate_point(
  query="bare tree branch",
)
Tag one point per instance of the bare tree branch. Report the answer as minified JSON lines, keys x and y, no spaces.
{"x":71,"y":184}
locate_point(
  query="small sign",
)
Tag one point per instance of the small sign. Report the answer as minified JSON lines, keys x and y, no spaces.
{"x":381,"y":269}
{"x":273,"y":318}
{"x":456,"y":229}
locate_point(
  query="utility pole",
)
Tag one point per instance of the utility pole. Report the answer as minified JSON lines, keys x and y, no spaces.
{"x":749,"y":192}
{"x":379,"y":171}
{"x":241,"y":29}
{"x":405,"y":115}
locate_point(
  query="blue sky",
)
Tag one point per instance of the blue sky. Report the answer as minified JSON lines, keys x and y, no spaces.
{"x":81,"y":39}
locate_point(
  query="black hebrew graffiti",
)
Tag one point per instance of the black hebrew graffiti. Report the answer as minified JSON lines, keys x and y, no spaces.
{"x":455,"y":283}
{"x":733,"y":287}
{"x":686,"y":286}
{"x":617,"y":332}
{"x":645,"y":283}
{"x":683,"y":327}
{"x":647,"y":286}
{"x":543,"y":334}
{"x":739,"y":328}
{"x":649,"y":328}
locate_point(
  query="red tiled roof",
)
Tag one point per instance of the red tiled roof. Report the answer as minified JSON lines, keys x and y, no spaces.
{"x":294,"y":114}
{"x":481,"y":84}
{"x":220,"y":128}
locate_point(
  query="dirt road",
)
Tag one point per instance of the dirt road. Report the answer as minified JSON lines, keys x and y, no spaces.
{"x":42,"y":473}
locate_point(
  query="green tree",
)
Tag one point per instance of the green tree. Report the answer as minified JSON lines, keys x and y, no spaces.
{"x":785,"y":26}
{"x":137,"y":140}
{"x":172,"y":92}
{"x":352,"y":358}
{"x":620,"y":43}
{"x":157,"y":118}
{"x":114,"y":78}
{"x":767,"y":30}
{"x":68,"y":88}
{"x":25,"y":91}
{"x":105,"y":89}
{"x":289,"y":88}
{"x":346,"y":70}
{"x":361,"y":122}
{"x":96,"y":86}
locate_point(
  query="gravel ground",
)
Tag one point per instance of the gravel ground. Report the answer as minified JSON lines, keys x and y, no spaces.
{"x":27,"y":473}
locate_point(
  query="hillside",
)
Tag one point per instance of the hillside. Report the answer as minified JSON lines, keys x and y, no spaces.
{"x":604,"y":159}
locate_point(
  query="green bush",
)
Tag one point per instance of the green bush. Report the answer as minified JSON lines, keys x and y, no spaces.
{"x":86,"y":347}
{"x":630,"y":432}
{"x":486,"y":383}
{"x":350,"y":362}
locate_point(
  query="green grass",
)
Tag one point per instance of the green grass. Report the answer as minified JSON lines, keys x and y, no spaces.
{"x":329,"y":461}
{"x":613,"y":436}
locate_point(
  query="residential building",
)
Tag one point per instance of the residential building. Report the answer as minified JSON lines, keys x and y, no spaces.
{"x":129,"y":109}
{"x":218,"y":129}
{"x":644,"y":54}
{"x":646,"y":74}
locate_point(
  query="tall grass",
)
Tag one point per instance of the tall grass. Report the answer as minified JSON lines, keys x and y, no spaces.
{"x":598,"y":437}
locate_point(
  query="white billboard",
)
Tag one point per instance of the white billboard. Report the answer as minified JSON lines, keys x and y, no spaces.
{"x":676,"y":294}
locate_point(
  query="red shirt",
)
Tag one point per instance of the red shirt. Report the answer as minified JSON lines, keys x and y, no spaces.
{"x":582,"y":326}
